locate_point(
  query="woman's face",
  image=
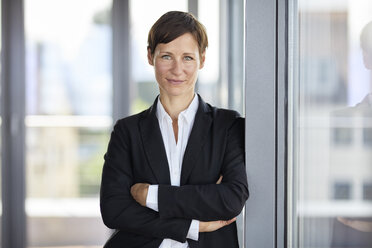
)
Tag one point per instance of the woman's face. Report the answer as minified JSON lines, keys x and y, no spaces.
{"x":176,"y":66}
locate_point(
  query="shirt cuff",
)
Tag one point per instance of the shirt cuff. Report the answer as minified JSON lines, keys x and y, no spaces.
{"x":152,"y":198}
{"x":193,"y":231}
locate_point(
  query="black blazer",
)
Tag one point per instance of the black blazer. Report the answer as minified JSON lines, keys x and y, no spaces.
{"x":136,"y":154}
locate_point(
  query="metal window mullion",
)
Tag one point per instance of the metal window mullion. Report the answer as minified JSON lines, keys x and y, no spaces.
{"x":235,"y":55}
{"x":13,"y":126}
{"x":223,"y":79}
{"x":193,"y":7}
{"x":260,"y":96}
{"x":281,"y":122}
{"x":121,"y":58}
{"x":293,"y":78}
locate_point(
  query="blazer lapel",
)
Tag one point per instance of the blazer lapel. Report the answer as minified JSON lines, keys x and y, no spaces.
{"x":154,"y":146}
{"x":197,"y":138}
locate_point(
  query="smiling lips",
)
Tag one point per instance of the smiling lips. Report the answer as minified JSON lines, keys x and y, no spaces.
{"x":175,"y":81}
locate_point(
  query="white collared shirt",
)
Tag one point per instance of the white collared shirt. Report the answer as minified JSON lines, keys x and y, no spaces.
{"x":175,"y":152}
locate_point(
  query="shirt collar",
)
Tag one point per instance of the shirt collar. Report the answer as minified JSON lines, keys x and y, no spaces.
{"x":189,"y":113}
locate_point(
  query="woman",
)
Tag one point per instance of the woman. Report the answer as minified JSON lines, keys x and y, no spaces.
{"x":174,"y":174}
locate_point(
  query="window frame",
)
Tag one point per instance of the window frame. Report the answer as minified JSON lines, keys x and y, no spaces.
{"x":13,"y":128}
{"x":266,"y":93}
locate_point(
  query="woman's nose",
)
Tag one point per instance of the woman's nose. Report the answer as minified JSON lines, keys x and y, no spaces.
{"x":177,"y":67}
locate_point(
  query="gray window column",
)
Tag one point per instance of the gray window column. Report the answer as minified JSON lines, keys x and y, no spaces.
{"x":13,"y":126}
{"x":266,"y":102}
{"x":193,"y":7}
{"x":121,"y":57}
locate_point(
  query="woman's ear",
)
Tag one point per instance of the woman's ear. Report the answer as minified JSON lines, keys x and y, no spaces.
{"x":202,"y":60}
{"x":149,"y":56}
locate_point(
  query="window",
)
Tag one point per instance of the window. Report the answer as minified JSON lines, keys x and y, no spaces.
{"x":342,"y":191}
{"x":210,"y":83}
{"x":330,"y":137}
{"x":367,"y":136}
{"x":68,"y":119}
{"x":69,"y":97}
{"x":342,"y":136}
{"x":367,"y":191}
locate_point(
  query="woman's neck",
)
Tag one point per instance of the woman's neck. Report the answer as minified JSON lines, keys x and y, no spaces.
{"x":175,"y":105}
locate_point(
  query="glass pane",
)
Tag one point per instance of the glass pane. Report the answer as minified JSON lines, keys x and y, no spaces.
{"x":331,"y":123}
{"x":236,"y":55}
{"x":68,"y":119}
{"x":211,"y":86}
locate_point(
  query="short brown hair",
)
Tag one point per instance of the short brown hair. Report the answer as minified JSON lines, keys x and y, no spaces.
{"x":172,"y":25}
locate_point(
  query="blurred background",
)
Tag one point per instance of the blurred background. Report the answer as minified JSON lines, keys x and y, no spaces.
{"x":71,"y":76}
{"x":70,"y":69}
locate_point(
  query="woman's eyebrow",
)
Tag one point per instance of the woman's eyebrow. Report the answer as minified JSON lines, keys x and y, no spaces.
{"x":165,"y":52}
{"x":186,"y":53}
{"x":189,"y":53}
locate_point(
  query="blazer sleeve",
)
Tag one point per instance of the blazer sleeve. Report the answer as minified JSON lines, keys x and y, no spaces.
{"x":118,"y":208}
{"x":212,"y":201}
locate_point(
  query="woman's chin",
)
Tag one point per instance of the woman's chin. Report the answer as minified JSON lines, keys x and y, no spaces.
{"x":177,"y":93}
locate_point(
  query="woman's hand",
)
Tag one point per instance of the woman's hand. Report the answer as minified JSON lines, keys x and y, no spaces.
{"x":219,"y":180}
{"x":363,"y":226}
{"x":211,"y":226}
{"x":139,"y":192}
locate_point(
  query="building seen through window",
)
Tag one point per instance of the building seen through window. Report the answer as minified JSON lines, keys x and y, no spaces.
{"x":367,"y":136}
{"x":342,"y":191}
{"x":367,"y":191}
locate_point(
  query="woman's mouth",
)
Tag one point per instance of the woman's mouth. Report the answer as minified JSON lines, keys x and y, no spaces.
{"x":175,"y":81}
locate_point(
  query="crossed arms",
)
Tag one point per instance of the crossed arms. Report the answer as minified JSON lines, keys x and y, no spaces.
{"x":215,"y":205}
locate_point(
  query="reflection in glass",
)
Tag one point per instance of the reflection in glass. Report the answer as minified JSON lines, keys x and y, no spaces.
{"x":342,"y":136}
{"x":367,"y":136}
{"x":342,"y":191}
{"x":68,"y":119}
{"x":332,"y":121}
{"x":367,"y":191}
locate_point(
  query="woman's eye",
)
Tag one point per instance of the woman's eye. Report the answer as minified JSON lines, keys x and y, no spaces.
{"x":188,"y":58}
{"x":166,"y":57}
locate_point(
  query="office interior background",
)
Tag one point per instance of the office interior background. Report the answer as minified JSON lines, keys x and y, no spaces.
{"x":293,"y":68}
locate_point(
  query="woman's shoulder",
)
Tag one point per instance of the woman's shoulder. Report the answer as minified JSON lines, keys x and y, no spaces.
{"x":131,"y":119}
{"x":218,"y":112}
{"x":226,"y":118}
{"x":225,"y":114}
